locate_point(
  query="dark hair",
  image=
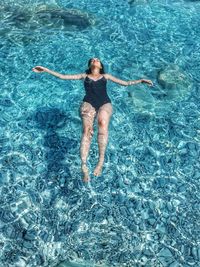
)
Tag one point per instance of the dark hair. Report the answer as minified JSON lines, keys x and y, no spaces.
{"x":89,"y":71}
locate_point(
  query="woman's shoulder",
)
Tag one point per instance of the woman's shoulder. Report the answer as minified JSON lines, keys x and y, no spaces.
{"x":83,"y":75}
{"x":106,"y":75}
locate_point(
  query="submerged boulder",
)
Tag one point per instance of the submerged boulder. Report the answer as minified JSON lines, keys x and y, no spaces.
{"x":68,"y":19}
{"x":79,"y":263}
{"x":174,"y":82}
{"x":131,"y":2}
{"x":142,"y":99}
{"x":27,"y":23}
{"x":173,"y":85}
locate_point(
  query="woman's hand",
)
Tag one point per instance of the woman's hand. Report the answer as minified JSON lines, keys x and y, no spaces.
{"x":39,"y":69}
{"x":149,"y":82}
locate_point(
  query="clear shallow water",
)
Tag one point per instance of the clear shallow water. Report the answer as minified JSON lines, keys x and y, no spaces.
{"x":144,"y":209}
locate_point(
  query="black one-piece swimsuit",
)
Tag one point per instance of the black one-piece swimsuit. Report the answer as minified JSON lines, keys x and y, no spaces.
{"x":96,"y":92}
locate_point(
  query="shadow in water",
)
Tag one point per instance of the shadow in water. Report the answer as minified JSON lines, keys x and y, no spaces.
{"x":58,"y":190}
{"x":57,"y":148}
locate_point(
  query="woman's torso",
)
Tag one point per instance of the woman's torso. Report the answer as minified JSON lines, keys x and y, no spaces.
{"x":96,"y":91}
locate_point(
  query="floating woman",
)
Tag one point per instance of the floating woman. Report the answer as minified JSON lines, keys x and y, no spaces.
{"x":96,"y":104}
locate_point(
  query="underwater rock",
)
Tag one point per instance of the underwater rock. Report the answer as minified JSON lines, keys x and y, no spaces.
{"x":6,"y":102}
{"x":195,"y":252}
{"x":165,"y":252}
{"x":160,"y":228}
{"x":7,"y":216}
{"x":14,"y":230}
{"x":45,"y":236}
{"x":165,"y":256}
{"x":63,"y":18}
{"x":9,"y":232}
{"x":175,"y":82}
{"x":28,"y":245}
{"x":142,"y":99}
{"x":174,"y":264}
{"x":21,"y":263}
{"x":131,"y":2}
{"x":79,"y":263}
{"x":30,"y":235}
{"x":10,"y":256}
{"x":26,"y":22}
{"x":31,"y":217}
{"x":174,"y":85}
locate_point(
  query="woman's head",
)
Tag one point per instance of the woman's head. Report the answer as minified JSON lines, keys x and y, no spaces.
{"x":95,"y":63}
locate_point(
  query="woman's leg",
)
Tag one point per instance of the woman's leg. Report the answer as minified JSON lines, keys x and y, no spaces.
{"x":88,"y":114}
{"x":103,"y":116}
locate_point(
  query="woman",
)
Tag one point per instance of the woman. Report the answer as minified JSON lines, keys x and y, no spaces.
{"x":96,"y":103}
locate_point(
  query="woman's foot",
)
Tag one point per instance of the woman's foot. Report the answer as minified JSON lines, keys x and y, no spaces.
{"x":98,"y":169}
{"x":86,"y":176}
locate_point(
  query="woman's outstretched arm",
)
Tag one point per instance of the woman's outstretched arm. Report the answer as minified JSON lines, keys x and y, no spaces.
{"x":126,"y":83}
{"x":59,"y":75}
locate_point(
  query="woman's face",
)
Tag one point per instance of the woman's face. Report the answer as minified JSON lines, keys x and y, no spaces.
{"x":95,"y":62}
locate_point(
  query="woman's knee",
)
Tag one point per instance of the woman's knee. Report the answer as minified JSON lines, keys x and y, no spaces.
{"x":103,"y":127}
{"x":88,"y":131}
{"x":102,"y":123}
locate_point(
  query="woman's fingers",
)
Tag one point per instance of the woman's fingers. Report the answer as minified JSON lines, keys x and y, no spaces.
{"x":147,"y":81}
{"x":35,"y":70}
{"x":38,"y":69}
{"x":150,"y":82}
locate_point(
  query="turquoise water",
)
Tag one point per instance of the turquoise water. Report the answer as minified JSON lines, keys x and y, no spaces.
{"x":144,"y":209}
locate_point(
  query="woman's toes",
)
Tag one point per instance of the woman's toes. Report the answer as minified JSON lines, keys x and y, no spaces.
{"x":97,"y":170}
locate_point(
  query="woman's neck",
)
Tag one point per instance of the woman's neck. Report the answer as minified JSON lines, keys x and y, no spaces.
{"x":95,"y":71}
